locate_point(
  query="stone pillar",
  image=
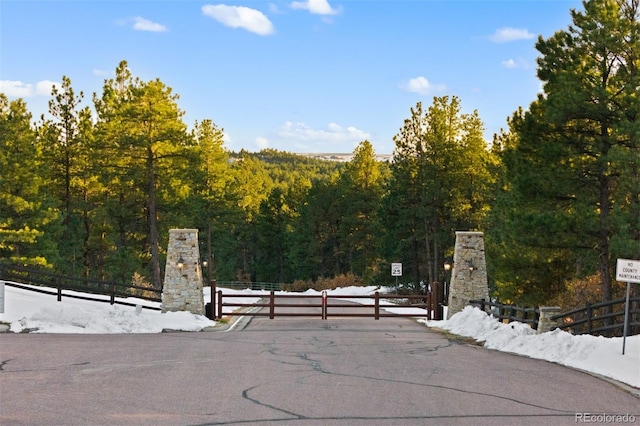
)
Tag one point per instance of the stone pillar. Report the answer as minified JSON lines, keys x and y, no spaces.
{"x":469,"y":273}
{"x":545,"y":323}
{"x":182,"y":289}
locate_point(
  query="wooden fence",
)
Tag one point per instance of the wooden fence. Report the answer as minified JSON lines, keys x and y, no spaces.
{"x":603,"y":319}
{"x":509,"y":312}
{"x":13,"y":275}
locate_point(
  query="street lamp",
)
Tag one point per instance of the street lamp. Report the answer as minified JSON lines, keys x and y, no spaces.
{"x":180,"y":263}
{"x":447,"y":268}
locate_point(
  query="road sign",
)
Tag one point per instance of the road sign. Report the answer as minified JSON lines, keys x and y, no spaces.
{"x":396,"y":269}
{"x":628,"y":271}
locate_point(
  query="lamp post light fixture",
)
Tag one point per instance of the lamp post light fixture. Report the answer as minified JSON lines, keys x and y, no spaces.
{"x":447,"y":268}
{"x":180,"y":263}
{"x":472,"y":267}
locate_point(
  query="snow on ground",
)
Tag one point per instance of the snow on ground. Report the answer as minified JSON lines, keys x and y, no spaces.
{"x":41,"y":313}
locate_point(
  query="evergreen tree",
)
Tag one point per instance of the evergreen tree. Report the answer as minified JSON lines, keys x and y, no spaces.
{"x":360,"y":227}
{"x":29,"y":218}
{"x":143,"y":140}
{"x":574,"y":158}
{"x":440,"y":182}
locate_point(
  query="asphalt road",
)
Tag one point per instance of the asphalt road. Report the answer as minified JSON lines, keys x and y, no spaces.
{"x":290,"y":371}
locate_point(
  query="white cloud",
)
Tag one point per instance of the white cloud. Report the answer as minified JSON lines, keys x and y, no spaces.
{"x":262,"y":143}
{"x":507,"y":34}
{"x":16,"y":89}
{"x":240,"y":17}
{"x":334,"y":137}
{"x":142,"y":24}
{"x":422,"y":86}
{"x":44,"y":87}
{"x":317,"y":7}
{"x":514,"y":63}
{"x":19,"y":89}
{"x":99,"y":73}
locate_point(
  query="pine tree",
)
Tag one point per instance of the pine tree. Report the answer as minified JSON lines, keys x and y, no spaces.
{"x":29,"y":218}
{"x":574,"y":162}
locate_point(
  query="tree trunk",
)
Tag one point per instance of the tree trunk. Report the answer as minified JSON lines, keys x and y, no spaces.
{"x":153,"y":222}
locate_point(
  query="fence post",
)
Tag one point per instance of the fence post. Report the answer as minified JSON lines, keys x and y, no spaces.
{"x":272,"y":304}
{"x":59,"y":285}
{"x":589,"y":310}
{"x":212,"y":302}
{"x":324,"y":304}
{"x":112,"y":292}
{"x":482,"y":308}
{"x":376,"y":313}
{"x":219,"y":304}
{"x":435,"y":301}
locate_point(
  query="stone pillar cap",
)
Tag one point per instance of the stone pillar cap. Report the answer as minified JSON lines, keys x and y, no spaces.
{"x":469,"y":233}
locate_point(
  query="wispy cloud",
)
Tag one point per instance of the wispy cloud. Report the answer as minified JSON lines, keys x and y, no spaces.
{"x":507,"y":34}
{"x":422,"y":86}
{"x":262,"y":143}
{"x":515,"y":63}
{"x":317,"y":7}
{"x":142,"y":24}
{"x":99,"y":73}
{"x":19,"y":89}
{"x":243,"y":17}
{"x":334,"y":136}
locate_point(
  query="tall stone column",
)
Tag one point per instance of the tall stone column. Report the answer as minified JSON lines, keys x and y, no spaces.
{"x":469,"y":273}
{"x":182,"y":289}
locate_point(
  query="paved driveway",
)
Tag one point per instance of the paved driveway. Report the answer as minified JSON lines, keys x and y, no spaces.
{"x":290,"y":371}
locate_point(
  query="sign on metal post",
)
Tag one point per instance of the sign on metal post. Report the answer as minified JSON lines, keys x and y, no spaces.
{"x":627,"y":271}
{"x":396,"y":269}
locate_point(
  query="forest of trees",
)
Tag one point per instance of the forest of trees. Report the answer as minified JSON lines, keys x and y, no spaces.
{"x":93,"y":190}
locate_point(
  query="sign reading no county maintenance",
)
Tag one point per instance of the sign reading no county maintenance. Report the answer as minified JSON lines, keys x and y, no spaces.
{"x":396,"y":269}
{"x":628,"y":271}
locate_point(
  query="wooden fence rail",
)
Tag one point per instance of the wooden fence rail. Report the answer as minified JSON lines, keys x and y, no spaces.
{"x":509,"y":313}
{"x":605,"y":318}
{"x":41,"y":278}
{"x":307,"y":305}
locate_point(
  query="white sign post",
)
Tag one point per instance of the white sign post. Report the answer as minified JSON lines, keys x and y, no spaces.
{"x":627,"y":271}
{"x":396,"y":271}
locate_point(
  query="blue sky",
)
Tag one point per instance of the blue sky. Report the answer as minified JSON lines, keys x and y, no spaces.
{"x":298,"y":76}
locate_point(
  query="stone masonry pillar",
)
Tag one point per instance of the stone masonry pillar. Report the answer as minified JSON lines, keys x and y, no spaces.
{"x":545,"y":323}
{"x":182,"y":289}
{"x":469,"y":273}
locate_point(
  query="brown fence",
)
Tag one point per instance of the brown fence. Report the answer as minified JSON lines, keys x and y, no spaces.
{"x":320,"y":305}
{"x":605,"y":318}
{"x":509,"y":312}
{"x":16,"y":275}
